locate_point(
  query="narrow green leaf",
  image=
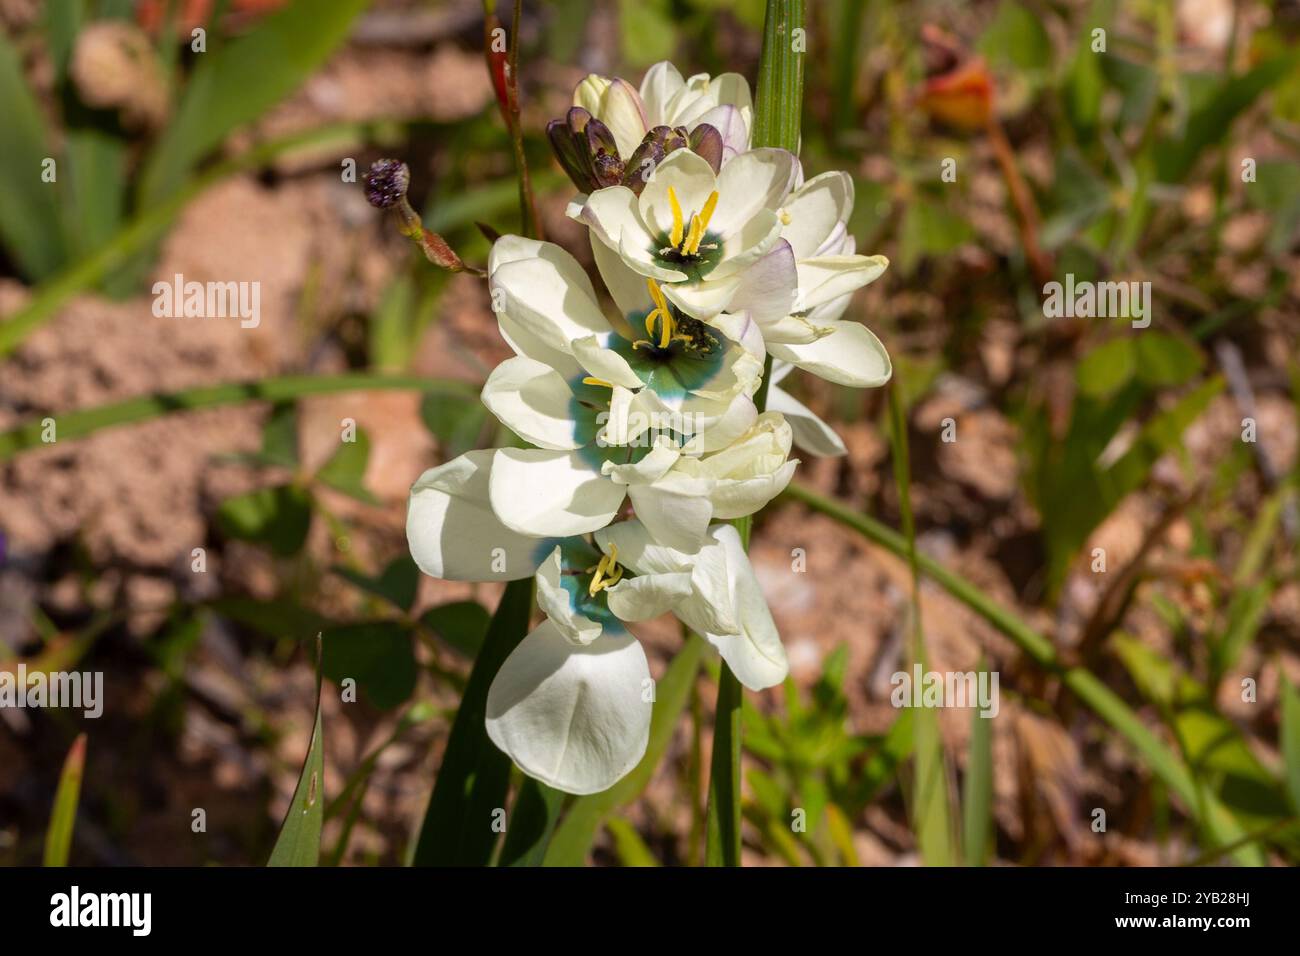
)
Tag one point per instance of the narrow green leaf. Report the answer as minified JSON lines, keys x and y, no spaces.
{"x":577,"y":831}
{"x":977,"y":795}
{"x":530,"y":824}
{"x":778,"y":99}
{"x":84,"y":422}
{"x":1291,"y":741}
{"x":629,"y":846}
{"x":722,"y":823}
{"x":233,"y":85}
{"x":58,"y":836}
{"x":474,"y":776}
{"x":29,"y":206}
{"x":299,"y":841}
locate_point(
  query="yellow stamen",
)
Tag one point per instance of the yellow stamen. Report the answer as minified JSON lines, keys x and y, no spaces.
{"x":608,"y":564}
{"x":675,"y":237}
{"x":699,"y":224}
{"x":662,"y":312}
{"x":592,"y":380}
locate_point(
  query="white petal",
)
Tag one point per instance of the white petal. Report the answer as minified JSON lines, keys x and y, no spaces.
{"x":626,"y":286}
{"x":453,"y":533}
{"x":649,"y":469}
{"x":622,"y":112}
{"x":549,"y":295}
{"x":744,"y":247}
{"x":610,"y":211}
{"x":829,"y":277}
{"x":851,"y":355}
{"x":557,"y":604}
{"x":753,"y":181}
{"x":703,"y":300}
{"x":675,"y":510}
{"x":660,"y":84}
{"x":737,"y":497}
{"x":647,"y":596}
{"x":810,"y":432}
{"x":691,"y":177}
{"x":536,"y":403}
{"x":731,"y":126}
{"x":815,"y":210}
{"x":604,"y":363}
{"x":767,"y":292}
{"x":551,"y":493}
{"x":638,"y":550}
{"x":572,"y":716}
{"x":753,"y":651}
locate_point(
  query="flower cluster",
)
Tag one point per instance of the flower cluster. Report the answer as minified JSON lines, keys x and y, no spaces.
{"x":640,"y":433}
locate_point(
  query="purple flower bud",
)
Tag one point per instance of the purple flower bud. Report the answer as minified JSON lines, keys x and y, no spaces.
{"x":387,"y":182}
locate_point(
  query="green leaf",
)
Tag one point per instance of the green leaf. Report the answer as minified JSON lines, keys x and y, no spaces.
{"x":346,"y":468}
{"x":461,"y":625}
{"x":457,"y":423}
{"x":29,"y":207}
{"x":95,"y":163}
{"x":299,"y":841}
{"x":1017,"y":38}
{"x":235,"y":84}
{"x":778,"y":94}
{"x":277,"y":618}
{"x":1106,"y":369}
{"x":722,"y":823}
{"x":929,"y":229}
{"x":977,"y":794}
{"x":397,"y":583}
{"x":629,"y":846}
{"x":530,"y":824}
{"x":279,"y":517}
{"x":280,"y":436}
{"x":377,"y":655}
{"x":577,"y":831}
{"x":475,"y":775}
{"x":63,"y":819}
{"x":1166,"y":360}
{"x":1212,"y":120}
{"x":1291,"y":741}
{"x":646,"y":31}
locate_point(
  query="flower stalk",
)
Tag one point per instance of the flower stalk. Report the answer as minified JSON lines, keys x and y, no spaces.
{"x":777,"y":111}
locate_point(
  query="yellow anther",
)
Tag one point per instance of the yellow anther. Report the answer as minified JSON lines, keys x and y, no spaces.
{"x":608,"y":565}
{"x":660,"y":311}
{"x":592,"y":380}
{"x":675,"y":237}
{"x":707,"y":212}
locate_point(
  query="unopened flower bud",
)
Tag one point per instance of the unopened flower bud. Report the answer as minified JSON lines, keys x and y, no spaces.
{"x":387,"y":182}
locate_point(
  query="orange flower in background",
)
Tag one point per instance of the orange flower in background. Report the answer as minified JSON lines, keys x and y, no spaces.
{"x":958,"y":89}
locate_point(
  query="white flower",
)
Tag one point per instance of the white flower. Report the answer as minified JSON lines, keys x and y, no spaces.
{"x":453,"y":533}
{"x":615,"y":408}
{"x":571,"y":705}
{"x":810,"y":432}
{"x":815,"y":225}
{"x":665,"y":99}
{"x":703,"y":234}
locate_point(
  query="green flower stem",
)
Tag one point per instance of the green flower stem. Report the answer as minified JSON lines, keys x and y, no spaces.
{"x":1210,"y":812}
{"x":152,"y":223}
{"x":777,"y":112}
{"x":80,"y":423}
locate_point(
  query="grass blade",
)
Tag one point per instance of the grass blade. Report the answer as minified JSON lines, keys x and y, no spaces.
{"x":977,"y":795}
{"x":29,"y":207}
{"x":722,"y":823}
{"x":235,"y":84}
{"x":475,"y":776}
{"x":299,"y":841}
{"x":87,"y":421}
{"x":58,"y":837}
{"x":531,"y":822}
{"x":1291,"y":741}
